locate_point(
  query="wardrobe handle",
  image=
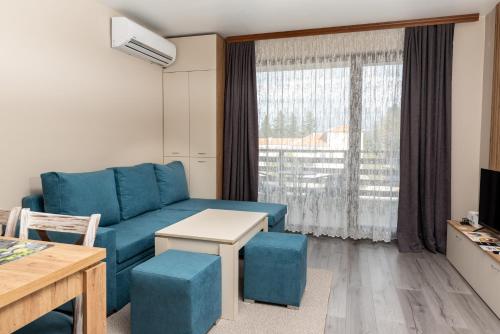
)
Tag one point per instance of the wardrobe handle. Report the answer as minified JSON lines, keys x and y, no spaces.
{"x":175,"y":153}
{"x":201,"y":153}
{"x":201,"y":161}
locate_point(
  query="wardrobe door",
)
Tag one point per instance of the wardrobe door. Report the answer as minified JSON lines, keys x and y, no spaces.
{"x":202,"y":177}
{"x":203,"y":117}
{"x":176,"y":114}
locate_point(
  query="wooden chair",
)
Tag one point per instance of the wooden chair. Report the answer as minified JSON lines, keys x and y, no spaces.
{"x":47,"y":222}
{"x":9,"y":218}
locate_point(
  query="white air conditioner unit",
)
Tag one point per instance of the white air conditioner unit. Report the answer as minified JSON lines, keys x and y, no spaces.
{"x":129,"y":37}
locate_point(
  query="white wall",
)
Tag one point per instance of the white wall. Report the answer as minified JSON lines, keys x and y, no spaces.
{"x":467,"y":106}
{"x":69,"y":102}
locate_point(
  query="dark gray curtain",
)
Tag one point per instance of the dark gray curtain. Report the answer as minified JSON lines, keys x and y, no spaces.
{"x":241,"y":129}
{"x":425,"y":185}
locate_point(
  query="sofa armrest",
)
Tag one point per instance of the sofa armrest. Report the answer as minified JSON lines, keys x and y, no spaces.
{"x":106,"y":238}
{"x":33,"y":202}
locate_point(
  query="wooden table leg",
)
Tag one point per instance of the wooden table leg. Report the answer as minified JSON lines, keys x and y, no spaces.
{"x":229,"y":272}
{"x":94,"y":300}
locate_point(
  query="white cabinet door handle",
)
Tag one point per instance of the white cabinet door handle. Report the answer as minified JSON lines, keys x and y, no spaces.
{"x":201,"y":161}
{"x":201,"y":153}
{"x":175,"y":153}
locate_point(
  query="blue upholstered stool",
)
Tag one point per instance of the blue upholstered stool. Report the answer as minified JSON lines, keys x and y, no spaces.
{"x":176,"y":292}
{"x":275,"y":268}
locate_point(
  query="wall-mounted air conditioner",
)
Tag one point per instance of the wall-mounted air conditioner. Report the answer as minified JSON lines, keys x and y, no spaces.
{"x":129,"y":37}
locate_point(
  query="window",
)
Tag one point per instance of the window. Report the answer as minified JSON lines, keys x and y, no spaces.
{"x":329,"y":134}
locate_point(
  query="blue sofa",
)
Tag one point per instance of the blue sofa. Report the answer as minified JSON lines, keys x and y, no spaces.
{"x":129,"y":241}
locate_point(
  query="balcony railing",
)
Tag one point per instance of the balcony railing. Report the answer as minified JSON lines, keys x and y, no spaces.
{"x":374,"y":174}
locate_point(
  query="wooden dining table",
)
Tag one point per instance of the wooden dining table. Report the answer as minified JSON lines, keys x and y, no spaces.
{"x":39,"y":283}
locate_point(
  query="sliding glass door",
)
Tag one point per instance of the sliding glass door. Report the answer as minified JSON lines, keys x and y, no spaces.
{"x":329,"y":142}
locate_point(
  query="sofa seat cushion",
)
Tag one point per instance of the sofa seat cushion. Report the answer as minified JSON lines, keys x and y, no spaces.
{"x":136,"y":235}
{"x":82,"y":194}
{"x":275,"y":211}
{"x":137,"y":190}
{"x":172,"y":182}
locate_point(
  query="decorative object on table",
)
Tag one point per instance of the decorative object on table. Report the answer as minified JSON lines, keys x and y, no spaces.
{"x":464,"y":221}
{"x":11,"y":250}
{"x":473,"y":217}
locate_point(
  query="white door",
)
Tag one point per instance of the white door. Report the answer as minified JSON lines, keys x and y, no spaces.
{"x":203,"y":116}
{"x":202,"y":177}
{"x":176,"y":114}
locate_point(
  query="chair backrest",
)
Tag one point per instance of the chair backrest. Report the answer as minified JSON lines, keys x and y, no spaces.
{"x":8,"y":221}
{"x":48,"y":222}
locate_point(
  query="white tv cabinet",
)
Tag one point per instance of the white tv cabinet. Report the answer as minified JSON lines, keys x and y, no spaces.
{"x":480,"y":269}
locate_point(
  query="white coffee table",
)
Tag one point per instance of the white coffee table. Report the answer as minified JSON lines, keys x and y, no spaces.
{"x":219,"y":232}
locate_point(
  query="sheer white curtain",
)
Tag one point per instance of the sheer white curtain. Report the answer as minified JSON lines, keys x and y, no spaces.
{"x":329,"y":113}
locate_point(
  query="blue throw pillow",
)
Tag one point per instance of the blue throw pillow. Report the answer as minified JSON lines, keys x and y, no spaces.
{"x":82,"y":194}
{"x":172,"y":182}
{"x":137,"y":190}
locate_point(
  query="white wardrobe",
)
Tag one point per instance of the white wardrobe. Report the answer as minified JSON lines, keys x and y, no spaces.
{"x":193,"y":103}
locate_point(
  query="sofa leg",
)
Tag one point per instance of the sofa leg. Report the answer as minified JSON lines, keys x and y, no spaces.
{"x":291,"y":307}
{"x":217,"y":322}
{"x":250,"y":301}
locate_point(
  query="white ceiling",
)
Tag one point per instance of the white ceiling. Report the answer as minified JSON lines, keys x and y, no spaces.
{"x":238,"y":17}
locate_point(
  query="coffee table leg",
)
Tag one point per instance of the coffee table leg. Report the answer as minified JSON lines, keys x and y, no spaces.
{"x":229,"y":271}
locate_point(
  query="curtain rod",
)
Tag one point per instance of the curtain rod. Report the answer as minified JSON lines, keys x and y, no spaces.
{"x":357,"y":27}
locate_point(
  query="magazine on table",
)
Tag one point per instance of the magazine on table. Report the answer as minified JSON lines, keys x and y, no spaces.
{"x":493,"y":248}
{"x":11,"y":250}
{"x":481,"y":237}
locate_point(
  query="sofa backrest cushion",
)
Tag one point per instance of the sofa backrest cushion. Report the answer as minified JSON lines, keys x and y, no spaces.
{"x":172,"y":182}
{"x":82,"y":194}
{"x":137,"y":190}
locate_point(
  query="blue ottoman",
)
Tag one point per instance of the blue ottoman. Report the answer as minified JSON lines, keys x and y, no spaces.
{"x":177,"y":293}
{"x":275,"y":268}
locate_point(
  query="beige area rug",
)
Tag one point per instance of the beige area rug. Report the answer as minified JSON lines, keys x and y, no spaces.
{"x":264,"y":318}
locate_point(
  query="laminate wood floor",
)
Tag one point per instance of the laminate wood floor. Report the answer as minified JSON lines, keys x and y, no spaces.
{"x":375,"y":289}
